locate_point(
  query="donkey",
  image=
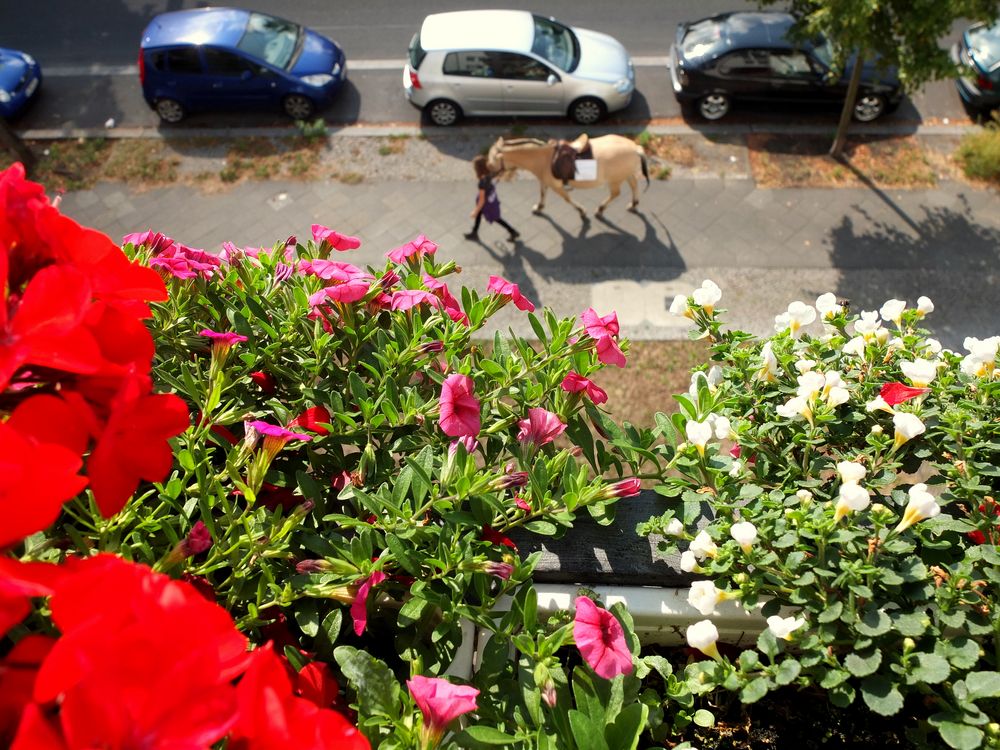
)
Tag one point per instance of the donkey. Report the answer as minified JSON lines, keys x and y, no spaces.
{"x":618,"y":160}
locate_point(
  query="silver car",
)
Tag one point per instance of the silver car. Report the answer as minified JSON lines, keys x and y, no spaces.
{"x":511,"y":62}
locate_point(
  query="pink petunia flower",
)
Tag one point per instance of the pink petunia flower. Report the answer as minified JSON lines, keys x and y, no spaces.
{"x":623,"y":488}
{"x":415,"y":249}
{"x":313,"y":419}
{"x":184,"y":262}
{"x":574,"y":383}
{"x":352,"y":291}
{"x":406,"y":299}
{"x":541,"y":427}
{"x":333,"y":270}
{"x":499,"y":569}
{"x":155,"y":242}
{"x":897,"y":393}
{"x":359,"y":607}
{"x":609,"y":352}
{"x":275,"y":437}
{"x":459,"y":407}
{"x":441,"y":703}
{"x":598,"y":327}
{"x":468,"y":441}
{"x":503,"y":288}
{"x":521,"y":503}
{"x":336,"y":240}
{"x":226,"y":338}
{"x":601,"y":640}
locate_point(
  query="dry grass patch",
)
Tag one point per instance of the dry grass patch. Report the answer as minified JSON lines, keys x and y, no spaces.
{"x":260,"y":158}
{"x":66,"y":165}
{"x":669,"y":148}
{"x":656,"y":371}
{"x":141,"y":162}
{"x":979,"y":154}
{"x":779,"y":161}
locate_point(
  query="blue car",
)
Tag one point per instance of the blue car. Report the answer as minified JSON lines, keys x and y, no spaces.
{"x":225,"y":58}
{"x":20,"y":79}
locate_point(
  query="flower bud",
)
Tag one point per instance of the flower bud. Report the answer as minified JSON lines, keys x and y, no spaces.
{"x":312,"y":566}
{"x":908,"y":645}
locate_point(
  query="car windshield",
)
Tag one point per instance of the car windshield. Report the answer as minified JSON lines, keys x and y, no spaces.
{"x":271,"y":39}
{"x":701,"y":38}
{"x":984,"y":45}
{"x":556,"y":43}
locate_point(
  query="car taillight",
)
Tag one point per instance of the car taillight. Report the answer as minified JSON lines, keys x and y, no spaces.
{"x":142,"y":68}
{"x":984,"y":83}
{"x":414,"y":79}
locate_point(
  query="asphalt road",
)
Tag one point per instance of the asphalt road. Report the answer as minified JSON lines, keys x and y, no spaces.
{"x":88,"y":54}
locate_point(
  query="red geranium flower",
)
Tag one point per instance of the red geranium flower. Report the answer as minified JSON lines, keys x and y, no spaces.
{"x":313,"y":419}
{"x":17,"y":680}
{"x":897,"y":393}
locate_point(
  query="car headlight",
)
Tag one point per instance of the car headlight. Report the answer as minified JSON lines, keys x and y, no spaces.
{"x":4,"y":96}
{"x":317,"y":79}
{"x":28,"y":58}
{"x":623,"y":86}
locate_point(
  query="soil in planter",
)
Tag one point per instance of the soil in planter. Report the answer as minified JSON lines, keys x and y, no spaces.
{"x":790,"y":719}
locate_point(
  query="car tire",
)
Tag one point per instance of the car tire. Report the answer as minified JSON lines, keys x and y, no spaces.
{"x":714,"y":106}
{"x":587,"y":111}
{"x":170,"y":110}
{"x":298,"y":107}
{"x":443,"y":112}
{"x":869,"y":107}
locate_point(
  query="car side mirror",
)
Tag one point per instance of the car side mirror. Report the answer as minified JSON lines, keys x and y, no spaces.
{"x":552,"y":80}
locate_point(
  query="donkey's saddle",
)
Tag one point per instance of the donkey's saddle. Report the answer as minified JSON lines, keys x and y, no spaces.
{"x":565,"y":155}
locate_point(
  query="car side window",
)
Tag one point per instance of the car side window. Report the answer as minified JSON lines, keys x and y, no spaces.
{"x":521,"y":67}
{"x":184,"y":60}
{"x":473,"y":63}
{"x":747,"y":62}
{"x":222,"y":63}
{"x":790,"y":64}
{"x":157,"y":61}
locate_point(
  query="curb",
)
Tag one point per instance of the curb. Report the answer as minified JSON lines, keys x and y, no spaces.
{"x":372,"y":131}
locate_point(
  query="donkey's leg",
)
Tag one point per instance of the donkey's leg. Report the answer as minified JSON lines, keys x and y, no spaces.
{"x":634,"y":184}
{"x":565,"y":196}
{"x":537,"y":208}
{"x":615,"y":190}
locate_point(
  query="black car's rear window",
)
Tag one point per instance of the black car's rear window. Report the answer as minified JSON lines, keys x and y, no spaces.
{"x":702,"y":38}
{"x":184,"y":60}
{"x":984,"y":45}
{"x":417,"y":53}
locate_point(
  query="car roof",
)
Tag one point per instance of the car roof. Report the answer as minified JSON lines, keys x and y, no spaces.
{"x":478,"y":29}
{"x":756,"y":29}
{"x":219,"y":26}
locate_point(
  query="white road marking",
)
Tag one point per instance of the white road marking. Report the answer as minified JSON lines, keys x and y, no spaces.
{"x":100,"y":69}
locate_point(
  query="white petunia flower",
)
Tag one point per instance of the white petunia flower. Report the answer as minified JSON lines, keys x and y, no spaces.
{"x":924,"y":306}
{"x":852,"y":496}
{"x":810,"y":385}
{"x":933,"y":346}
{"x":797,"y":315}
{"x":805,"y":365}
{"x":805,"y":496}
{"x":769,"y":364}
{"x":723,"y":428}
{"x":907,"y":425}
{"x":981,"y":360}
{"x":714,"y":377}
{"x":704,"y":596}
{"x":881,"y":404}
{"x":707,"y":295}
{"x":794,"y":407}
{"x":698,"y":433}
{"x":674,"y":528}
{"x":855,"y":347}
{"x":702,"y":546}
{"x":835,"y":390}
{"x":679,"y":306}
{"x":922,"y":505}
{"x":703,"y":636}
{"x":689,"y":563}
{"x":736,"y":469}
{"x":893,"y":310}
{"x":920,"y":371}
{"x":827,"y":306}
{"x":851,"y":471}
{"x":867,"y":325}
{"x":783,"y":627}
{"x":745,"y":533}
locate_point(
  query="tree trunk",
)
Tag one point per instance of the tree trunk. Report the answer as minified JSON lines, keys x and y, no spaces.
{"x":13,"y":143}
{"x":845,"y":114}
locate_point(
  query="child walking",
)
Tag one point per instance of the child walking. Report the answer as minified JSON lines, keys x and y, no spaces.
{"x":487,"y":202}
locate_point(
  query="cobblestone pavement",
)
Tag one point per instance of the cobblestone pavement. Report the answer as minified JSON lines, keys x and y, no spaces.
{"x":765,"y":248}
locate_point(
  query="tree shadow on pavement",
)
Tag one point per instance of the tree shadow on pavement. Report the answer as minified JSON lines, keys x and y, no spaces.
{"x":943,"y":252}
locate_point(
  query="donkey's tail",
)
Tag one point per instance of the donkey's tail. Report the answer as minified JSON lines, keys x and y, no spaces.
{"x":645,"y":167}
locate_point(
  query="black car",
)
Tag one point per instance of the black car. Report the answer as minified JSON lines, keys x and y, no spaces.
{"x":748,"y":56}
{"x":978,"y":60}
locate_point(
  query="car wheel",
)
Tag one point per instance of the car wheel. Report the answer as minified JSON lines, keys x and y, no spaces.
{"x":586,"y":111}
{"x":170,"y":110}
{"x":713,"y":106}
{"x":443,"y":112}
{"x":298,"y":107}
{"x":869,"y":107}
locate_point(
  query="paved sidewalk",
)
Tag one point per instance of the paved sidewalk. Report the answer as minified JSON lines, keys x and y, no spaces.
{"x":765,"y":248}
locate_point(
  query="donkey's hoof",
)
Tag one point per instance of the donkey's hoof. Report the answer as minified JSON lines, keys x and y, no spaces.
{"x":537,"y":208}
{"x":634,"y":208}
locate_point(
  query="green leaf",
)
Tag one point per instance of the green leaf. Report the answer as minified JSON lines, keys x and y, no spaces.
{"x":863,"y":664}
{"x":833,"y":678}
{"x":306,"y":617}
{"x":768,"y":644}
{"x":329,"y":631}
{"x":377,"y":689}
{"x":545,"y":528}
{"x":960,"y":736}
{"x":930,"y":669}
{"x":831,"y":613}
{"x":485,"y":735}
{"x":881,"y":696}
{"x":787,"y":672}
{"x":586,"y":732}
{"x":703,"y":718}
{"x":749,"y":660}
{"x":962,"y":652}
{"x":754,"y":690}
{"x":911,"y":624}
{"x":402,"y":554}
{"x":983,"y":684}
{"x":874,"y":622}
{"x":627,"y":728}
{"x":296,"y":659}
